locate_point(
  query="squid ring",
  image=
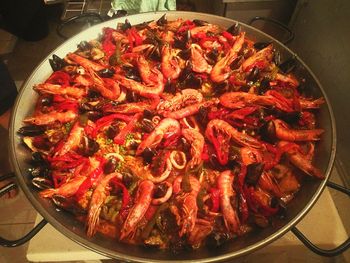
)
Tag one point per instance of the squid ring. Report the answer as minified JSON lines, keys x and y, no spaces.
{"x":166,"y":197}
{"x":174,"y":161}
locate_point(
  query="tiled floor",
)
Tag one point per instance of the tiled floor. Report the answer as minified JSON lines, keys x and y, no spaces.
{"x":17,"y":215}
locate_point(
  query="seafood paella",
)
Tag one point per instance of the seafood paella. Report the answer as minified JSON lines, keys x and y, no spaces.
{"x":172,"y":134}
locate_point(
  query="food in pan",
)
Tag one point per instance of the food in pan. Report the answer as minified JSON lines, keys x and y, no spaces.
{"x":172,"y":134}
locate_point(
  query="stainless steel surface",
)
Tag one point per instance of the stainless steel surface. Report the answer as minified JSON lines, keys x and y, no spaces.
{"x":70,"y":227}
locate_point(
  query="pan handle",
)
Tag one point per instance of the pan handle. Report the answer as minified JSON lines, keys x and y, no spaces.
{"x":278,"y":23}
{"x":15,"y":243}
{"x":18,"y":242}
{"x":8,"y":187}
{"x":325,"y":252}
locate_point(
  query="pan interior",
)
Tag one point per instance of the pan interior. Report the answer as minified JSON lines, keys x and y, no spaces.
{"x":75,"y":230}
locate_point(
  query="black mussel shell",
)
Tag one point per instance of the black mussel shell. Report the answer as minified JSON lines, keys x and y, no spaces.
{"x":112,"y":131}
{"x":147,"y":125}
{"x":170,"y":87}
{"x":67,"y":204}
{"x":110,"y":166}
{"x":88,"y":146}
{"x":128,"y":179}
{"x":106,"y":73}
{"x":236,"y":63}
{"x":37,"y":158}
{"x":254,"y":172}
{"x":132,"y":96}
{"x":57,"y":63}
{"x":160,"y":190}
{"x":268,"y":132}
{"x":162,"y":21}
{"x":199,"y":22}
{"x":220,"y":88}
{"x":235,"y":29}
{"x":132,"y":73}
{"x":289,"y":117}
{"x":180,"y":43}
{"x":216,"y":239}
{"x":264,"y":86}
{"x":46,"y":100}
{"x":277,"y":57}
{"x":212,"y":56}
{"x":148,"y":114}
{"x":141,"y":26}
{"x":185,"y":54}
{"x":254,"y":74}
{"x":93,"y":115}
{"x":202,"y":116}
{"x":42,"y":183}
{"x":125,"y":26}
{"x":93,"y":94}
{"x":148,"y":155}
{"x":261,"y":45}
{"x":193,"y":81}
{"x":40,"y":171}
{"x":84,"y":46}
{"x":288,"y":65}
{"x":31,"y":130}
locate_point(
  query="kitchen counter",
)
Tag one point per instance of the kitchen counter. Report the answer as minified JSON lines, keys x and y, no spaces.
{"x":322,"y":225}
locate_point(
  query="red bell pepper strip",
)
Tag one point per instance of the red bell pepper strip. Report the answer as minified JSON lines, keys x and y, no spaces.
{"x":67,"y":161}
{"x":60,"y":78}
{"x":205,"y":154}
{"x":107,"y":43}
{"x":107,"y":120}
{"x":228,"y":36}
{"x":126,"y":195}
{"x":187,"y":25}
{"x":120,"y":138}
{"x":215,"y":199}
{"x":90,"y":180}
{"x":220,"y":144}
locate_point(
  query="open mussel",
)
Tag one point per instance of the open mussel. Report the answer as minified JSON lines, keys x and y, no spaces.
{"x":67,"y":204}
{"x":288,"y":65}
{"x":42,"y":183}
{"x":31,"y":130}
{"x":40,"y":171}
{"x":124,"y":26}
{"x":199,"y":22}
{"x":162,"y":21}
{"x":132,"y":73}
{"x":261,"y":45}
{"x":106,"y":73}
{"x":84,"y":46}
{"x":254,"y":74}
{"x":264,"y":86}
{"x":88,"y":146}
{"x":57,"y":63}
{"x":254,"y":172}
{"x":235,"y":29}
